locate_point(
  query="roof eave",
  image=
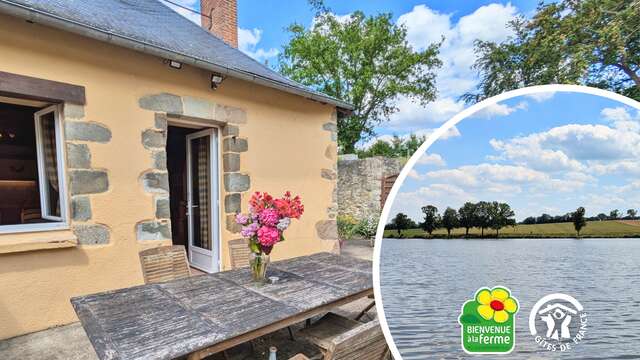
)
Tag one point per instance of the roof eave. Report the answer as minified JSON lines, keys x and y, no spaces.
{"x":40,"y":17}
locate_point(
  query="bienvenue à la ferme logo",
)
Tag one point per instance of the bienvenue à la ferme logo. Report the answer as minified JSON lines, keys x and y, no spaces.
{"x":488,"y":322}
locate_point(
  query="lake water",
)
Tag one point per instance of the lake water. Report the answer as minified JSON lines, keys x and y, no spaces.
{"x":425,"y":282}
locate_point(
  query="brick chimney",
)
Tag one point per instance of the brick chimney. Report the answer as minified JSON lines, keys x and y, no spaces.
{"x":224,"y":19}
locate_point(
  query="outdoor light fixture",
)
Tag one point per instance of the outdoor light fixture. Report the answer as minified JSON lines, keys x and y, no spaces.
{"x":216,"y":80}
{"x":173,"y":64}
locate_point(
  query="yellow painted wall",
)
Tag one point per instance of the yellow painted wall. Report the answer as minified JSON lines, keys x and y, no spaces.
{"x":286,"y":152}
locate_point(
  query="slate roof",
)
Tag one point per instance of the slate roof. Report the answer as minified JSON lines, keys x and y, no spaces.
{"x":152,"y":27}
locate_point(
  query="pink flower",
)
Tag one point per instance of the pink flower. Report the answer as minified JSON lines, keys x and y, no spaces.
{"x":269,"y":217}
{"x":249,"y":230}
{"x":268,"y":236}
{"x":242,"y":219}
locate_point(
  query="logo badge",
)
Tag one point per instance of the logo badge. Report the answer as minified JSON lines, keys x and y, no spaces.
{"x":488,"y":322}
{"x":558,"y":322}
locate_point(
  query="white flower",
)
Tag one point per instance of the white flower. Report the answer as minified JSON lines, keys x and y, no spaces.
{"x":283,"y":224}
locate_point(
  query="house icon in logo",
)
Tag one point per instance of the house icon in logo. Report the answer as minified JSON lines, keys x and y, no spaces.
{"x":557,"y":318}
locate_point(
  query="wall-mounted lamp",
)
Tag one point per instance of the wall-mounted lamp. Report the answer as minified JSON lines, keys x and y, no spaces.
{"x":173,"y":64}
{"x":216,"y":80}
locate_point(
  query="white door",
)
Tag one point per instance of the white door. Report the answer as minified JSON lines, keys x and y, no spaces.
{"x":202,"y":199}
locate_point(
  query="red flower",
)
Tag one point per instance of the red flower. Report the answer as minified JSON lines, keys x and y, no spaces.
{"x":288,"y":207}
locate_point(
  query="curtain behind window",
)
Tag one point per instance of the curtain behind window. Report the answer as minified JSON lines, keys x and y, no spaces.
{"x":203,"y":190}
{"x":48,"y":127}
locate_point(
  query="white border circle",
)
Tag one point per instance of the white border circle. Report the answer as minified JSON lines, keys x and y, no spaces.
{"x":430,"y":140}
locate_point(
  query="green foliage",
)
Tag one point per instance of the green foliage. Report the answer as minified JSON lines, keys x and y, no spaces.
{"x":614,"y":214}
{"x":398,"y":147}
{"x":482,"y":216}
{"x":431,"y":218}
{"x":364,"y":60}
{"x":578,"y":219}
{"x":400,"y":223}
{"x":467,"y":216}
{"x":500,"y":215}
{"x":450,"y":220}
{"x":367,"y":227}
{"x":588,"y":42}
{"x":346,"y":227}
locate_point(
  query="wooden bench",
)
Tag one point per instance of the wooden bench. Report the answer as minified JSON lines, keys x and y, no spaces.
{"x":340,"y":338}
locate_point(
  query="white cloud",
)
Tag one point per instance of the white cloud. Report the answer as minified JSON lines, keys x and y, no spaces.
{"x":426,"y":26}
{"x":575,"y":147}
{"x":431,"y":159}
{"x":450,"y":133}
{"x":500,"y":109}
{"x":542,"y":96}
{"x":622,"y":119}
{"x":414,"y":116}
{"x":488,"y":174}
{"x":248,"y":40}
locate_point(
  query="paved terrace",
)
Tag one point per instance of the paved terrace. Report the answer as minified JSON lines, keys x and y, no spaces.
{"x":70,"y":342}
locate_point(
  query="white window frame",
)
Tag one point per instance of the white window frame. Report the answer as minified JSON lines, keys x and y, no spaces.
{"x":61,"y":222}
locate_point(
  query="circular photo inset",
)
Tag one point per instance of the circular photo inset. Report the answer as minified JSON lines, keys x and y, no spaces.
{"x":516,"y":229}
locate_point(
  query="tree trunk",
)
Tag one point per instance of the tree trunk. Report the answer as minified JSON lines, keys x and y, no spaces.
{"x":448,"y":233}
{"x":482,"y":232}
{"x":466,"y":233}
{"x":627,"y":70}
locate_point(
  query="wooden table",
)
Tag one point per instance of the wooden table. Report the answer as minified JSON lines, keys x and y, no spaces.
{"x":206,"y":314}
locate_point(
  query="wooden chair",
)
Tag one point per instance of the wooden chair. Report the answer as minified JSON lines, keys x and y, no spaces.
{"x":239,"y":252}
{"x":299,"y":357}
{"x":366,"y":309}
{"x":340,"y":338}
{"x":164,"y":263}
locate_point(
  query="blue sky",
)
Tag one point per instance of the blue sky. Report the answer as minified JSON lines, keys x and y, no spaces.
{"x":548,"y":153}
{"x":261,"y":35}
{"x":541,"y":154}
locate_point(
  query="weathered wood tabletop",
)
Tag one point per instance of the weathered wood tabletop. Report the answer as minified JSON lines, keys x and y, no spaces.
{"x":206,"y":314}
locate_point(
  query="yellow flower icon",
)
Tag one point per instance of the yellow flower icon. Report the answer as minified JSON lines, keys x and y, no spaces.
{"x":496,"y":304}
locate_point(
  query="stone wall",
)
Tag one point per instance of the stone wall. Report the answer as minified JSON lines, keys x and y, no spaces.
{"x":360,"y":184}
{"x":84,"y":180}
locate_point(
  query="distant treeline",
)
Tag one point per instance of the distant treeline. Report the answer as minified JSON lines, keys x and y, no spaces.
{"x":485,"y":215}
{"x":631,"y":214}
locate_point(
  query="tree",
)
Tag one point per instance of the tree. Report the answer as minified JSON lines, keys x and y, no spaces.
{"x":500,"y":215}
{"x":482,"y":217}
{"x":614,"y":214}
{"x":578,"y":220}
{"x":529,"y":221}
{"x":401,"y":222}
{"x":467,"y":217}
{"x":431,"y":218}
{"x":588,"y":42}
{"x":631,"y":213}
{"x":397,"y":147}
{"x":364,"y":60}
{"x":450,"y":220}
{"x":602,"y":216}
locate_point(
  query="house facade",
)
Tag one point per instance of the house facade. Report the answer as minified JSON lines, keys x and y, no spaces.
{"x":115,"y":138}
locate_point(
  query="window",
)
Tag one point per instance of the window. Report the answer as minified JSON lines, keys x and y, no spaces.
{"x":31,"y":167}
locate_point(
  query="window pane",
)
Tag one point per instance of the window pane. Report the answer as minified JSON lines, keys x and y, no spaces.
{"x":19,"y":192}
{"x":200,"y":183}
{"x":50,"y":162}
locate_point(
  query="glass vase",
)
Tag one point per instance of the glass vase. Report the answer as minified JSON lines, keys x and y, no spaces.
{"x":259,"y":263}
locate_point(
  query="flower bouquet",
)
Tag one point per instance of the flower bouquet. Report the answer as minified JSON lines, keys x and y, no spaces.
{"x":264,"y":226}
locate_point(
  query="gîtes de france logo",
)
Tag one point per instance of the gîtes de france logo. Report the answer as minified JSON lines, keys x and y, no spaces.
{"x":488,"y":322}
{"x":558,"y":322}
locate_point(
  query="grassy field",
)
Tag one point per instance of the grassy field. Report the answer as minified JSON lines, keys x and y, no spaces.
{"x":613,"y":228}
